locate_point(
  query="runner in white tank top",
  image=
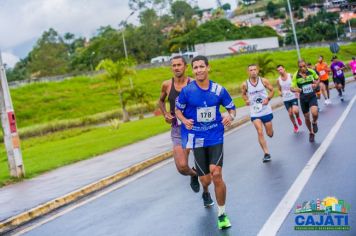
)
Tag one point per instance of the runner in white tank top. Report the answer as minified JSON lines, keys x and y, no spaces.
{"x":290,"y":100}
{"x":255,"y":94}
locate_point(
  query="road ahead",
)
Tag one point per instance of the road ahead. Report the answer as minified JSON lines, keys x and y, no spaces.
{"x":162,"y":203}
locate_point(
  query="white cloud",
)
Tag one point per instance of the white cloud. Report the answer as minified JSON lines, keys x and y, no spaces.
{"x":25,"y":20}
{"x":9,"y":59}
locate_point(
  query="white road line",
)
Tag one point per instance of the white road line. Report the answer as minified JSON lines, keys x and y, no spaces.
{"x":109,"y":190}
{"x":278,"y":216}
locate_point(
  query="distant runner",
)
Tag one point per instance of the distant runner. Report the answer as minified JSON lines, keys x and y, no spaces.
{"x":254,"y":92}
{"x":322,"y":68}
{"x":337,"y":67}
{"x":290,"y":99}
{"x":171,"y":89}
{"x":203,"y":130}
{"x":305,"y":81}
{"x":353,"y":66}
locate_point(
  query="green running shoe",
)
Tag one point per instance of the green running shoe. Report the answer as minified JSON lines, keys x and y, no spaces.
{"x":223,"y":222}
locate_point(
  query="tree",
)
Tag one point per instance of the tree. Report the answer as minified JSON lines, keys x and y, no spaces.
{"x":296,"y":4}
{"x":226,"y":7}
{"x":218,"y":13}
{"x":271,"y":9}
{"x":71,"y":42}
{"x":107,"y":44}
{"x":300,"y":13}
{"x":49,"y":56}
{"x":19,"y":72}
{"x":181,"y":10}
{"x":142,"y":97}
{"x":118,"y":71}
{"x":146,"y":41}
{"x":68,"y":37}
{"x":265,"y":64}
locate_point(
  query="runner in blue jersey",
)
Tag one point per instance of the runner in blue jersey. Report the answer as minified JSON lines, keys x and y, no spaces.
{"x":203,"y":130}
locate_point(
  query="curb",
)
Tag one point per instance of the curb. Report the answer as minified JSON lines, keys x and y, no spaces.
{"x":22,"y":218}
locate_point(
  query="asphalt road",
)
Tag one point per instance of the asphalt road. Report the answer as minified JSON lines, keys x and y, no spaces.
{"x":162,"y":203}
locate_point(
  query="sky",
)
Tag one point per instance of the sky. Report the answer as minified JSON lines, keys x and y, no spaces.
{"x":24,"y":21}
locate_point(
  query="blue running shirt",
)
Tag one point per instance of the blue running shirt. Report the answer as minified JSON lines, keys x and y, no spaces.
{"x":202,"y":106}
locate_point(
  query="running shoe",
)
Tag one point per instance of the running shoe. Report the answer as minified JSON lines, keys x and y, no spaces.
{"x":223,"y":222}
{"x":207,"y":199}
{"x":194,"y":182}
{"x":295,"y":129}
{"x":311,"y":137}
{"x":266,"y":158}
{"x":299,"y":121}
{"x":315,"y":127}
{"x":326,"y":102}
{"x":342,"y":98}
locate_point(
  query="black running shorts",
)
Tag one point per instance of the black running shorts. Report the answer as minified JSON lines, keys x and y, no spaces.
{"x":206,"y":156}
{"x":307,"y":102}
{"x":339,"y":80}
{"x":291,"y":103}
{"x":326,"y":82}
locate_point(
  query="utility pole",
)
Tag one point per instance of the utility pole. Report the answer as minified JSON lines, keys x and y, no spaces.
{"x":337,"y":34}
{"x":294,"y":32}
{"x":124,"y":23}
{"x":8,"y":121}
{"x":123,"y":33}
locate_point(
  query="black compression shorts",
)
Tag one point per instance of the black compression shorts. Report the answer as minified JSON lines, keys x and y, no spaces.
{"x":206,"y":156}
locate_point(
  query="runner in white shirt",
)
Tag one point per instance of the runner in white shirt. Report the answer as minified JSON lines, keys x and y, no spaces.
{"x":290,"y":98}
{"x":254,"y":92}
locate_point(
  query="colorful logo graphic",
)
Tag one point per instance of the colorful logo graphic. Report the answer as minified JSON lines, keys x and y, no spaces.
{"x":327,"y":214}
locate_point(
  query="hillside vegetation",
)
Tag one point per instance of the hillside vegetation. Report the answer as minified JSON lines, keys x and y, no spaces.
{"x":81,"y":96}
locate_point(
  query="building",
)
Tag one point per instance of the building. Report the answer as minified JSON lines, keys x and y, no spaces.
{"x":276,"y":24}
{"x":248,"y":19}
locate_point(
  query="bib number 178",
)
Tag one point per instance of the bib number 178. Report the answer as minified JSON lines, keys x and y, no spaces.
{"x":206,"y":114}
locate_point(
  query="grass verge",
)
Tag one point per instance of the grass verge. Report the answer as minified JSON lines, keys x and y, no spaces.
{"x":41,"y":154}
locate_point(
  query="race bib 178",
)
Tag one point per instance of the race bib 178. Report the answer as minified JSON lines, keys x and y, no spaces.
{"x":206,"y":114}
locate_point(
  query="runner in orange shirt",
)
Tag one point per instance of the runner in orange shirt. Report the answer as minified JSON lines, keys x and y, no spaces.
{"x":323,"y":69}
